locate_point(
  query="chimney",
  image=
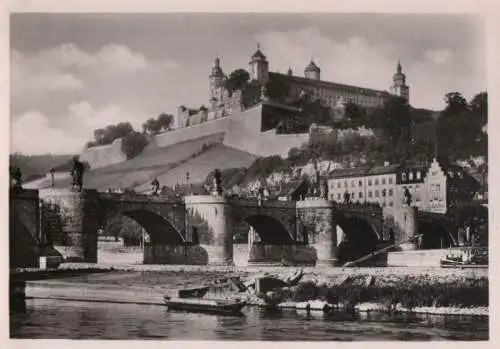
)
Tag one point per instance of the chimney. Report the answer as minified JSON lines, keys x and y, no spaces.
{"x":386,"y":163}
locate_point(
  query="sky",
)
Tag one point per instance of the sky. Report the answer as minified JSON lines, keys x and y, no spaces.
{"x":73,"y":73}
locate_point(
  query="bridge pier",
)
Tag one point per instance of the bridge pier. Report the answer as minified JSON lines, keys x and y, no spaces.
{"x":316,"y":216}
{"x":209,"y":217}
{"x":403,"y":222}
{"x":71,"y":220}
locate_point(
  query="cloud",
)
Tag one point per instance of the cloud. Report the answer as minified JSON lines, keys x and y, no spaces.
{"x":358,"y":61}
{"x":68,"y":68}
{"x":34,"y":133}
{"x":443,"y":56}
{"x":86,"y":118}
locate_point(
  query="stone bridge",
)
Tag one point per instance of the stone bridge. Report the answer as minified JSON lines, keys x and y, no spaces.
{"x":199,"y":229}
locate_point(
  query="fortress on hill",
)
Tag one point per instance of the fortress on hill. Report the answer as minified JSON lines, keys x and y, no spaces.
{"x":222,"y":102}
{"x":247,"y":119}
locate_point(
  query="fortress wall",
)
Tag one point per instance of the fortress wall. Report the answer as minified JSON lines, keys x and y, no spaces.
{"x":279,"y":144}
{"x":196,"y":131}
{"x":244,"y":130}
{"x":104,"y":155}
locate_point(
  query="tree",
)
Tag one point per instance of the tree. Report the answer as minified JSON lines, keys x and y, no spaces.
{"x":460,"y":127}
{"x":456,"y":104}
{"x":151,"y":126}
{"x":112,"y":132}
{"x":161,"y":124}
{"x":165,"y":121}
{"x":237,"y":80}
{"x":133,"y":144}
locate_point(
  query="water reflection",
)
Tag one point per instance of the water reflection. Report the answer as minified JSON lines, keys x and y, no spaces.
{"x":72,"y":320}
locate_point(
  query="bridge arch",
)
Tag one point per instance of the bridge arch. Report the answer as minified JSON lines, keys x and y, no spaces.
{"x":436,"y":235}
{"x":358,"y":237}
{"x":270,"y":230}
{"x":160,"y":230}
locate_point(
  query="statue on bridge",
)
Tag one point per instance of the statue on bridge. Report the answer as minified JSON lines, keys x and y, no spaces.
{"x":217,"y":183}
{"x":77,"y":174}
{"x":155,"y":186}
{"x":16,"y":177}
{"x":323,"y":190}
{"x":347,"y":197}
{"x":407,"y":197}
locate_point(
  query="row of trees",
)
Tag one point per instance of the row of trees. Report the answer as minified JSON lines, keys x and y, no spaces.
{"x":161,"y":124}
{"x":133,"y":142}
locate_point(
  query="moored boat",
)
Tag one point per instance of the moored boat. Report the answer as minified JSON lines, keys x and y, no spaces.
{"x":212,"y":306}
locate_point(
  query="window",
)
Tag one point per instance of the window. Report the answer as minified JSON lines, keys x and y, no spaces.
{"x":410,"y":176}
{"x":360,"y":195}
{"x":377,"y":193}
{"x":383,"y":181}
{"x":419,"y":175}
{"x":353,"y":195}
{"x":376,"y":182}
{"x":345,"y":184}
{"x":390,"y":180}
{"x":369,"y":194}
{"x":353,"y":184}
{"x":403,"y":177}
{"x":390,"y":192}
{"x":391,"y":203}
{"x":369,"y":182}
{"x":338,"y":184}
{"x":360,"y":183}
{"x":338,"y":196}
{"x":417,"y":187}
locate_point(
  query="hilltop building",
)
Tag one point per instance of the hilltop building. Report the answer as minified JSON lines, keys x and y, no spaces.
{"x":335,"y":95}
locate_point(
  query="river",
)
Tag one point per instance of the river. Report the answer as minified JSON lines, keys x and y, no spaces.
{"x":50,"y":319}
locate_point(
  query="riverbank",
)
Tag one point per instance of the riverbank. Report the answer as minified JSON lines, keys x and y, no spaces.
{"x":424,"y":290}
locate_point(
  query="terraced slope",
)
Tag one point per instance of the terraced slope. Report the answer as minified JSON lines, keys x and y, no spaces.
{"x":150,"y":164}
{"x":199,"y":167}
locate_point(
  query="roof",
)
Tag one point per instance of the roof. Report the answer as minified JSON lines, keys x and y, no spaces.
{"x":327,"y":84}
{"x":258,"y":54}
{"x":379,"y":170}
{"x":349,"y":172}
{"x":312,"y":67}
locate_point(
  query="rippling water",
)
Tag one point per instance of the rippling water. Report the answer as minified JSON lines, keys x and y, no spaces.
{"x":77,"y":320}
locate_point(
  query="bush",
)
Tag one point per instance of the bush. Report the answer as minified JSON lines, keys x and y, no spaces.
{"x":133,"y":144}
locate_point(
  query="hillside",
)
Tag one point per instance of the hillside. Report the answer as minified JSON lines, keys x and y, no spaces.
{"x":199,"y":167}
{"x":35,"y":166}
{"x":157,"y":162}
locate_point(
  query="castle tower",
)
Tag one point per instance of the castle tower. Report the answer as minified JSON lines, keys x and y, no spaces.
{"x":259,"y":67}
{"x":399,"y":87}
{"x":216,"y":84}
{"x":312,"y":71}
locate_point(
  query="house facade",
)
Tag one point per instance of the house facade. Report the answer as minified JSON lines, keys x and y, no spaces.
{"x":433,"y":187}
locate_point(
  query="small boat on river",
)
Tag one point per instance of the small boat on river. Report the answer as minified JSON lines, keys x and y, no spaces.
{"x":211,"y":306}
